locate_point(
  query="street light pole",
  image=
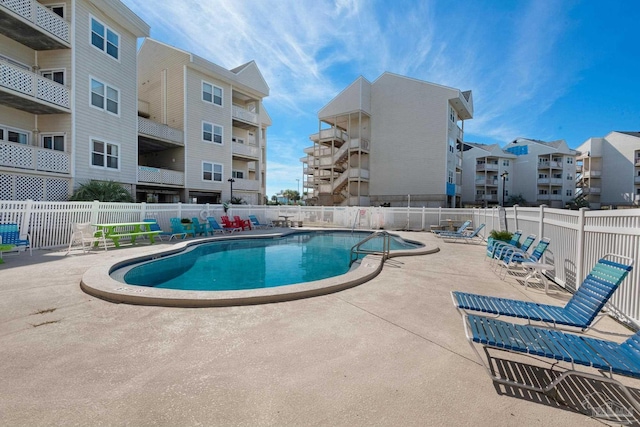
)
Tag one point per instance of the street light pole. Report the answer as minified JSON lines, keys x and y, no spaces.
{"x":504,"y":176}
{"x":231,"y":181}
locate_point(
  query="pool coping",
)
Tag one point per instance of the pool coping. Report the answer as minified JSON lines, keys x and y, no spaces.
{"x":97,"y":282}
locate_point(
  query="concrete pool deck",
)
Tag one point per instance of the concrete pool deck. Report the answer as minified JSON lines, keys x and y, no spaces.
{"x":391,"y":351}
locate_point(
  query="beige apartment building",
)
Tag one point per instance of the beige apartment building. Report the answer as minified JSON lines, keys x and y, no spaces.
{"x":609,"y":170}
{"x":68,"y":96}
{"x":203,"y":128}
{"x":487,"y":174}
{"x":395,"y":141}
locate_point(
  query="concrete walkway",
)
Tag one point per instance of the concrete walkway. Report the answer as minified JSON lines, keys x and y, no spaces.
{"x":390,"y":352}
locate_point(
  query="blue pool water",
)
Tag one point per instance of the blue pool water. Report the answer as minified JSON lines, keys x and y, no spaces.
{"x":254,"y":263}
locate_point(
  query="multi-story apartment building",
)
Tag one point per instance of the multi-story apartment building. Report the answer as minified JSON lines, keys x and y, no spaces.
{"x":68,"y":96}
{"x":201,"y":126}
{"x":609,"y":170}
{"x":394,"y":141}
{"x":542,"y":172}
{"x":487,"y":174}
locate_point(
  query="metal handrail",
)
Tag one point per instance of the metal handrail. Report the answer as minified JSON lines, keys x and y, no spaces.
{"x":357,"y":250}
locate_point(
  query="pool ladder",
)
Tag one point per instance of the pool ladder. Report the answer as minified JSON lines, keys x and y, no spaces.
{"x":357,"y":250}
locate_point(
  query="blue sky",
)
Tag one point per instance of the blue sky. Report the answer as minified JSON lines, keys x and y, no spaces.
{"x":540,"y":69}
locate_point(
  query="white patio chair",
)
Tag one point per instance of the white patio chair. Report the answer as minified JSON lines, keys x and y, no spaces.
{"x":86,"y":233}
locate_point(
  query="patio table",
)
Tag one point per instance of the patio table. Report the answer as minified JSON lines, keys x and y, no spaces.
{"x":115,"y":231}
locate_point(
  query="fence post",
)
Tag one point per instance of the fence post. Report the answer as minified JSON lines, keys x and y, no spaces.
{"x":580,"y":246}
{"x":179,"y":209}
{"x":423,"y":219}
{"x":143,"y":210}
{"x":26,"y":219}
{"x":95,"y":209}
{"x":439,"y":215}
{"x":541,"y":224}
{"x":515,"y":218}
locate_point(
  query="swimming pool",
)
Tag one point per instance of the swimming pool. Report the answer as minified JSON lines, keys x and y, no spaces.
{"x":106,"y":280}
{"x":254,"y":263}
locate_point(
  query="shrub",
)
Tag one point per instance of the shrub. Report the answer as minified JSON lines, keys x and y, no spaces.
{"x":504,"y":235}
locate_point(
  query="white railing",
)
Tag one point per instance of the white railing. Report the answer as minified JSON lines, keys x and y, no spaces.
{"x":487,"y":167}
{"x":578,"y":238}
{"x":41,"y":16}
{"x":159,"y":130}
{"x":244,"y":115}
{"x":332,"y":133}
{"x":22,"y":156}
{"x":636,"y":179}
{"x":245,"y":150}
{"x":246,"y":184}
{"x":29,"y":83}
{"x":160,"y":176}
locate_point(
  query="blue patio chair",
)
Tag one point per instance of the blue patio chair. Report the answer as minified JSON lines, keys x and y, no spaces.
{"x":512,"y":257}
{"x":464,"y":236}
{"x":178,"y":228}
{"x":153,"y":226}
{"x":257,"y":224}
{"x":460,"y":230}
{"x":579,"y":312}
{"x":202,"y":229}
{"x":217,"y":228}
{"x":502,"y":249}
{"x":606,"y":356}
{"x":10,"y":235}
{"x":494,"y":244}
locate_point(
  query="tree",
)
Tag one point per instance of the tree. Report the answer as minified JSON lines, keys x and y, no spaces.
{"x":516,"y":199}
{"x":580,"y":201}
{"x":291,"y":195}
{"x":102,"y":191}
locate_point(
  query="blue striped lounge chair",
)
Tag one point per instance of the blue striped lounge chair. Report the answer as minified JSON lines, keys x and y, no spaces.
{"x":606,"y":356}
{"x":217,"y":228}
{"x":464,"y":236}
{"x":513,"y":257}
{"x":579,"y":312}
{"x":460,"y":230}
{"x":500,"y":250}
{"x":257,"y":224}
{"x":493,"y":245}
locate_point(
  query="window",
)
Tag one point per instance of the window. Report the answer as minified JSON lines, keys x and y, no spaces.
{"x":14,"y":135}
{"x":569,"y":160}
{"x":53,"y":142}
{"x":569,"y":177}
{"x":55,"y":75}
{"x":505,"y":163}
{"x":104,"y":154}
{"x":237,"y":139}
{"x":211,"y":93}
{"x":569,"y":193}
{"x":211,"y":133}
{"x":58,"y":9}
{"x":237,"y":174}
{"x":104,"y":38}
{"x":452,"y":114}
{"x":104,"y":96}
{"x":451,"y":180}
{"x":540,"y":191}
{"x":211,"y":172}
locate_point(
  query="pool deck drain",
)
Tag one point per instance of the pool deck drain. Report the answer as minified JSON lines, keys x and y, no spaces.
{"x":389,"y":352}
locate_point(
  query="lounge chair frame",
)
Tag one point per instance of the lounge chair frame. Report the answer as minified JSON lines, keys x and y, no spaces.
{"x":605,"y":356}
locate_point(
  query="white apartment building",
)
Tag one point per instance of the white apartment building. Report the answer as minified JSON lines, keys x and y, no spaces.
{"x":542,"y":172}
{"x":203,"y":128}
{"x":395,"y":141}
{"x":487,"y":174}
{"x":609,"y":170}
{"x":68,"y":96}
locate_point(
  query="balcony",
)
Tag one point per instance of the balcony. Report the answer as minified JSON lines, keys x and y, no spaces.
{"x":31,"y":24}
{"x":487,"y":167}
{"x":329,"y":134}
{"x":21,"y":156}
{"x":246,"y":185}
{"x":150,"y":129}
{"x":636,"y":179}
{"x":591,"y":174}
{"x":245,"y":151}
{"x":487,"y":197}
{"x":27,"y":91}
{"x":160,"y":176}
{"x":554,"y":197}
{"x":244,"y":116}
{"x":590,"y":190}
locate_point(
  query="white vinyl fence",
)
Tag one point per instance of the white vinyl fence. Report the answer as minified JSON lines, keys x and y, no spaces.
{"x":578,"y":238}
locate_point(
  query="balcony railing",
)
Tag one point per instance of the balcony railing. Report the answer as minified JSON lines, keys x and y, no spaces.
{"x":160,"y":176}
{"x":245,"y":150}
{"x":31,"y":84}
{"x":550,"y":164}
{"x":21,"y":156}
{"x":246,"y":184}
{"x":160,"y":131}
{"x":39,"y":15}
{"x":549,"y":197}
{"x":487,"y":167}
{"x":244,"y":115}
{"x":636,"y":179}
{"x":332,"y":133}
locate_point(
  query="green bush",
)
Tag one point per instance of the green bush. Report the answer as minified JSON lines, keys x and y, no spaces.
{"x":505,"y":236}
